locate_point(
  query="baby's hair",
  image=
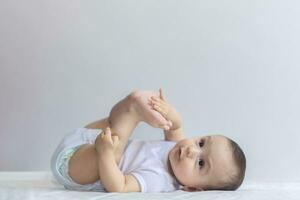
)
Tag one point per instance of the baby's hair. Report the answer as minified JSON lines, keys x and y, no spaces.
{"x":239,"y":158}
{"x":235,"y":180}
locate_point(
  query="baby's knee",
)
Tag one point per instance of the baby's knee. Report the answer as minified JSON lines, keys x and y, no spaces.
{"x":134,"y":95}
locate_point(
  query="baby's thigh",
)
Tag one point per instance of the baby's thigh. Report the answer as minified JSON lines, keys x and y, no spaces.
{"x":83,"y":167}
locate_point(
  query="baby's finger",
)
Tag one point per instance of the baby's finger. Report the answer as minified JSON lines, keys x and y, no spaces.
{"x":101,"y":136}
{"x":150,"y":103}
{"x":157,"y":108}
{"x":160,"y":103}
{"x":108,"y":133}
{"x":169,"y":123}
{"x":115,"y":139}
{"x":162,"y":95}
{"x":156,"y":103}
{"x":156,"y":99}
{"x":164,"y":126}
{"x":161,"y":109}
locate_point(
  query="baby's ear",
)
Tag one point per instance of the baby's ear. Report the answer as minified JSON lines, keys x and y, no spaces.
{"x":191,"y":189}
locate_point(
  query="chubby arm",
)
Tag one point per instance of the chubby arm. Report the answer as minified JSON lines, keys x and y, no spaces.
{"x":111,"y":176}
{"x":175,"y":135}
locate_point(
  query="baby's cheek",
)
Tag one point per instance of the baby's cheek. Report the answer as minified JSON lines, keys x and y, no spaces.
{"x":184,"y":169}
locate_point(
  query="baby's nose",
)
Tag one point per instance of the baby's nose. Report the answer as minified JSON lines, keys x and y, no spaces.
{"x":192,"y":151}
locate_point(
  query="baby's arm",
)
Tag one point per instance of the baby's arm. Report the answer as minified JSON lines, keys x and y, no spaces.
{"x":111,"y":176}
{"x":161,"y":105}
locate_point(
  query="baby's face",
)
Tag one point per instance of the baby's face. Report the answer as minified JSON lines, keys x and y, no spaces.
{"x":201,"y":162}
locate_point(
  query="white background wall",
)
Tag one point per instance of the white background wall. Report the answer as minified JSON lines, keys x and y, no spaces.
{"x":230,"y":67}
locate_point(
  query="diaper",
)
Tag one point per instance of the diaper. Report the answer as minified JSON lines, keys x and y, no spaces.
{"x":65,"y":150}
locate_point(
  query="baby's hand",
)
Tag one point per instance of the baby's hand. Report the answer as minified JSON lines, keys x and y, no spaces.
{"x":105,"y":142}
{"x":162,"y":106}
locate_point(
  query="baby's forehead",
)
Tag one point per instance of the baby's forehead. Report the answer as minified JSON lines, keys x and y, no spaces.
{"x":218,"y":143}
{"x":220,"y":152}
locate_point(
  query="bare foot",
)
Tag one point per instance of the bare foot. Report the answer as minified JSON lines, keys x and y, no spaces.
{"x":147,"y":114}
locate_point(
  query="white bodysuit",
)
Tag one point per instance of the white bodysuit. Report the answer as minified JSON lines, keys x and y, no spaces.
{"x":146,"y":160}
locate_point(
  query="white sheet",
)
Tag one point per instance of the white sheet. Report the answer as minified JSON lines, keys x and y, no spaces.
{"x":42,"y":186}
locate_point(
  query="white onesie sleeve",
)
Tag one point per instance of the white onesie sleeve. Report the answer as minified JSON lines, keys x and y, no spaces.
{"x":151,"y":181}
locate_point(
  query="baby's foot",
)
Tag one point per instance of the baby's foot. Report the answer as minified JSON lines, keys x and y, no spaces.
{"x":147,"y":114}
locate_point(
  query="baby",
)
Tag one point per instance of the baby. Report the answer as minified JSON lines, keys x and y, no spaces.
{"x":100,"y":157}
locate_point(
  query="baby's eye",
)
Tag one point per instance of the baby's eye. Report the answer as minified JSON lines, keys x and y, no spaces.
{"x":201,"y":143}
{"x":201,"y":163}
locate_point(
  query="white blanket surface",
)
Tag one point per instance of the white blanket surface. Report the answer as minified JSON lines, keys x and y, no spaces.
{"x":42,"y":186}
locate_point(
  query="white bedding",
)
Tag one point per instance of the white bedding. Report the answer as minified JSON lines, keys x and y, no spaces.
{"x":41,"y":185}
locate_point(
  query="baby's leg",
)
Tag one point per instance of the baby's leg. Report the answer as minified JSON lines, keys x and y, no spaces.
{"x":124,"y":117}
{"x":83,"y":165}
{"x":127,"y":113}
